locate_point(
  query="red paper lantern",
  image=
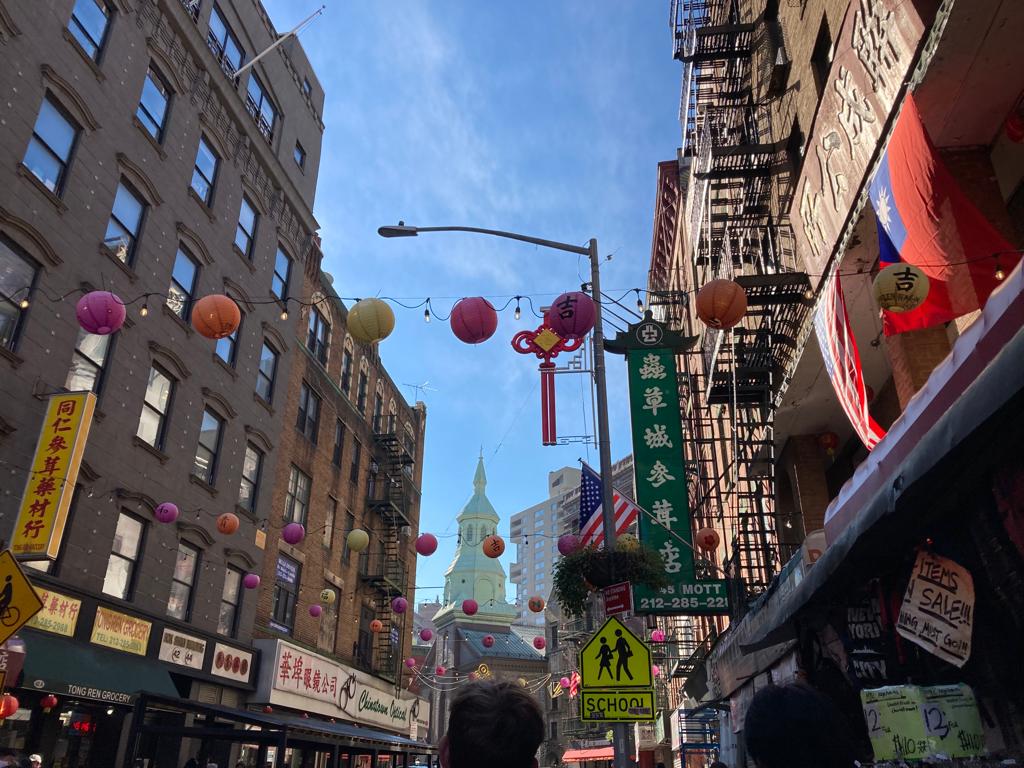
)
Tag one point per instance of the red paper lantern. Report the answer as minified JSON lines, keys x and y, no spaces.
{"x":721,"y":304}
{"x":707,"y":539}
{"x":100,"y":312}
{"x":376,"y":625}
{"x":494,"y":546}
{"x":227,"y":523}
{"x":474,"y":320}
{"x":1015,"y":127}
{"x":216,"y":316}
{"x":568,"y":543}
{"x":268,"y":709}
{"x":48,"y":702}
{"x":572,"y":315}
{"x":828,"y":442}
{"x":439,"y":670}
{"x":488,"y":641}
{"x":8,"y":706}
{"x":535,"y":604}
{"x":426,"y":544}
{"x":539,"y":643}
{"x":470,"y":607}
{"x":315,"y":610}
{"x":426,"y":635}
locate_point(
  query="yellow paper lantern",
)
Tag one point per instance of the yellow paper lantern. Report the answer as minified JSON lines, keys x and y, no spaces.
{"x":900,"y":287}
{"x":328,"y":596}
{"x":627,"y":543}
{"x":371,"y":320}
{"x":358,"y":540}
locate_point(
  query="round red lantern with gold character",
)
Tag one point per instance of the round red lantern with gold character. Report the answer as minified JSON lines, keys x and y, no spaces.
{"x":494,"y":546}
{"x":216,"y":316}
{"x":721,"y":304}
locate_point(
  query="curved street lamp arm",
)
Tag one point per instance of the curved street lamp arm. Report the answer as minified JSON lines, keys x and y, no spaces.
{"x":509,"y":235}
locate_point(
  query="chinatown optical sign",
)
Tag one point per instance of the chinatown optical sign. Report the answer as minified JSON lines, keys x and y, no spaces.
{"x":660,"y":472}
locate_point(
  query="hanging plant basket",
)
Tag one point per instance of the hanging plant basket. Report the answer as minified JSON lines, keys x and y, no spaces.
{"x":589,"y":569}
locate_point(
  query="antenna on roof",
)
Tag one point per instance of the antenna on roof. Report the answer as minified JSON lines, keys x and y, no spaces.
{"x":282,"y":39}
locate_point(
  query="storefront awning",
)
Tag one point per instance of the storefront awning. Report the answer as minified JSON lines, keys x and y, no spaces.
{"x":977,"y":388}
{"x":70,"y":668}
{"x":585,"y":755}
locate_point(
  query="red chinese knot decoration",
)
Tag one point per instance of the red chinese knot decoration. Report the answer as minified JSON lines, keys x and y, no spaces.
{"x":474,"y":320}
{"x":572,"y":315}
{"x":545,"y":343}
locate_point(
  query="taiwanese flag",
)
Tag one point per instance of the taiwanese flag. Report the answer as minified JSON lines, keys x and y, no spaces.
{"x":925,"y":219}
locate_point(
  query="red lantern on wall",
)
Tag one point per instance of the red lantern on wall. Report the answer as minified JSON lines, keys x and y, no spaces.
{"x":828,"y":442}
{"x":48,"y":702}
{"x":474,"y":320}
{"x":721,"y":304}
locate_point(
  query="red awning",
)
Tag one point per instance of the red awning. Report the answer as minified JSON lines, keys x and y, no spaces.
{"x":581,"y":755}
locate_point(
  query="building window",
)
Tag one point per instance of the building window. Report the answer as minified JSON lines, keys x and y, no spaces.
{"x":227,"y":347}
{"x":183,"y":284}
{"x":252,"y":467}
{"x":554,"y":726}
{"x":364,"y":382}
{"x":307,"y":87}
{"x":205,"y":467}
{"x":332,"y":513}
{"x":318,"y":338}
{"x":245,"y":232}
{"x":357,"y":455}
{"x":87,"y":362}
{"x":267,"y":371}
{"x":88,"y":25}
{"x":124,"y":554}
{"x":328,"y":622}
{"x":350,"y":525}
{"x":155,"y":407}
{"x":260,"y":106}
{"x":179,"y":604}
{"x":230,"y":602}
{"x":296,"y":503}
{"x":224,"y":44}
{"x":307,"y":420}
{"x":204,"y":174}
{"x":152,"y":111}
{"x":364,"y":645}
{"x":346,"y":369}
{"x":49,"y":149}
{"x":124,"y":223}
{"x":286,"y":592}
{"x":282,"y":271}
{"x":17,"y":277}
{"x":339,"y":443}
{"x":300,"y":156}
{"x":378,"y":411}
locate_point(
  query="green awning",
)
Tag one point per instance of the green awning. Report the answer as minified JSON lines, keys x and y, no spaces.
{"x":70,"y":668}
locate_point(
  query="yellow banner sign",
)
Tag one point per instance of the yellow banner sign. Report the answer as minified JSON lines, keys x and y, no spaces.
{"x":59,"y":614}
{"x":121,"y":631}
{"x":51,"y":480}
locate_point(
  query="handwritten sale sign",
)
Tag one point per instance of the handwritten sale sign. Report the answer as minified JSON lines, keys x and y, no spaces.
{"x":910,"y":722}
{"x":938,"y":608}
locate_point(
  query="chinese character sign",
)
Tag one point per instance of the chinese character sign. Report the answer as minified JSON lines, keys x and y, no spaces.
{"x":51,"y":479}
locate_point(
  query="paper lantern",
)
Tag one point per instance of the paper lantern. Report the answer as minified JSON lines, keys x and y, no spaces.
{"x":328,"y":596}
{"x":48,"y":702}
{"x":251,"y":580}
{"x":439,"y":670}
{"x":1015,"y":127}
{"x":268,"y":709}
{"x":166,"y":512}
{"x":572,"y":315}
{"x":371,"y":320}
{"x":568,"y":544}
{"x":410,"y":663}
{"x":8,"y":706}
{"x":488,"y":641}
{"x":627,"y":542}
{"x":315,"y":610}
{"x":535,"y":604}
{"x":399,"y":605}
{"x":658,"y":636}
{"x":470,"y":607}
{"x":565,"y":682}
{"x":358,"y":540}
{"x":293,"y":533}
{"x":539,"y":643}
{"x":100,"y":312}
{"x":721,"y":304}
{"x":426,"y":635}
{"x":522,"y":682}
{"x":227,"y":523}
{"x":900,"y":287}
{"x":376,"y":625}
{"x":493,"y":546}
{"x":828,"y":442}
{"x":473,"y":320}
{"x":655,"y":670}
{"x":216,"y":316}
{"x":707,"y":539}
{"x":426,"y":544}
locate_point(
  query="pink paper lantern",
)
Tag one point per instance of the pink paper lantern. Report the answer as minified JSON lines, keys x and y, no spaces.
{"x":474,"y":320}
{"x":315,"y":610}
{"x":410,"y":663}
{"x":399,"y":605}
{"x":655,"y":670}
{"x":565,"y":683}
{"x":439,"y":670}
{"x":426,"y":544}
{"x":100,"y":312}
{"x":251,"y":580}
{"x":658,"y":636}
{"x":572,"y":315}
{"x":293,"y":533}
{"x":426,"y":635}
{"x":488,"y":641}
{"x":166,"y":512}
{"x":470,"y":607}
{"x":539,"y":643}
{"x":568,"y":544}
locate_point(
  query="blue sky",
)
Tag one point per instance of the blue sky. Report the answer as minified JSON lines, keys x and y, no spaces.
{"x":547,"y":118}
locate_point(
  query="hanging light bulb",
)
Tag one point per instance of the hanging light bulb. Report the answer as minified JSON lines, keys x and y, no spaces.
{"x":284,"y":314}
{"x":24,"y":302}
{"x":789,"y":523}
{"x":145,"y":309}
{"x":808,"y":294}
{"x":426,"y":314}
{"x":639,"y":302}
{"x":999,"y":272}
{"x":518,"y":313}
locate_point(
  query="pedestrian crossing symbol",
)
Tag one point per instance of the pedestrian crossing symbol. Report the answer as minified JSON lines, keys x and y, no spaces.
{"x":615,"y":658}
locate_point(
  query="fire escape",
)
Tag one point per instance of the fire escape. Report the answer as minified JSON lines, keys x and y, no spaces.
{"x":391,"y":495}
{"x":735,"y":68}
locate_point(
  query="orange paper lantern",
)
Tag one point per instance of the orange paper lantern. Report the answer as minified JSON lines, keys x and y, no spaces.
{"x":376,"y":625}
{"x":227,"y":523}
{"x":494,"y":546}
{"x":216,"y":316}
{"x":721,"y":304}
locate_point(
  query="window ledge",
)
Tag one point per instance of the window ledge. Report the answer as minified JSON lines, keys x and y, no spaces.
{"x":264,"y":403}
{"x":203,"y":484}
{"x":10,"y":357}
{"x":174,"y":315}
{"x":126,"y":268}
{"x":82,"y":52}
{"x":201,"y":203}
{"x":162,"y":457}
{"x":219,"y":361}
{"x":245,"y":259}
{"x":54,"y":200}
{"x":149,"y":137}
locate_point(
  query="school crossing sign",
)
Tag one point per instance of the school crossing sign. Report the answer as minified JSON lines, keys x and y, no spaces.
{"x":616,"y":681}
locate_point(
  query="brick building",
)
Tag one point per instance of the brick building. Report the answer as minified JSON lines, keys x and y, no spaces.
{"x":133,"y":159}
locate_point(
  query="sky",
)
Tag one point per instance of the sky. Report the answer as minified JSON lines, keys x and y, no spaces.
{"x":541,"y":117}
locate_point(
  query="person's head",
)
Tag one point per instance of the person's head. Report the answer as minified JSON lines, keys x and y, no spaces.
{"x":794,"y":726}
{"x":491,"y":723}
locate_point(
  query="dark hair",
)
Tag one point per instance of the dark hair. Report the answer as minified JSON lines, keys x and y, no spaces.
{"x":794,"y":726}
{"x":494,"y":724}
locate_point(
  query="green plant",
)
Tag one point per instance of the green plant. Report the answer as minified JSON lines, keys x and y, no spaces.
{"x":587,"y":569}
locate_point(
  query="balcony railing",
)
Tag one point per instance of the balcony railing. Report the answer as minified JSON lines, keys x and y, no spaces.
{"x":266,"y":128}
{"x":387,"y":571}
{"x":192,"y":8}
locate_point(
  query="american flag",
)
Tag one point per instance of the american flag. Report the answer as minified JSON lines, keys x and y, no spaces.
{"x":842,"y":361}
{"x":591,"y":524}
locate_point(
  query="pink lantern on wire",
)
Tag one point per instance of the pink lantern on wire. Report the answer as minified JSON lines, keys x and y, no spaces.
{"x":399,"y":605}
{"x":293,"y":533}
{"x":426,"y":635}
{"x":410,"y":663}
{"x":568,"y":543}
{"x":426,"y":544}
{"x":100,"y":312}
{"x":251,"y":580}
{"x":564,"y":682}
{"x":572,"y":315}
{"x":167,"y":512}
{"x":474,"y":320}
{"x":658,"y":636}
